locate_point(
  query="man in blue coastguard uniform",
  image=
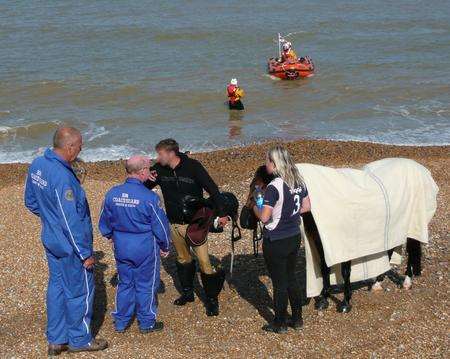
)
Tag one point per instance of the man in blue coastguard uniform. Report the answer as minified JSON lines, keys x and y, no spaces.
{"x":55,"y":195}
{"x":133,"y":219}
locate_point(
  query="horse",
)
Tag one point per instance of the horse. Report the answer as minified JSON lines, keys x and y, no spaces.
{"x":413,"y":249}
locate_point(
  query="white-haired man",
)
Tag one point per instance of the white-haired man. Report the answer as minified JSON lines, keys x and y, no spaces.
{"x":133,"y":218}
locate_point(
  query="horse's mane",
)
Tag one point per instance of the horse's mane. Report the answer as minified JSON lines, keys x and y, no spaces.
{"x":261,"y":175}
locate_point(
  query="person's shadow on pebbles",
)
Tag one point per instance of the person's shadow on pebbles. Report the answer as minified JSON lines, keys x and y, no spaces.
{"x":246,"y":280}
{"x":100,"y":298}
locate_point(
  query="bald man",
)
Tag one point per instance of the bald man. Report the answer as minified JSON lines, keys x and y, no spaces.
{"x":133,"y":219}
{"x":55,"y":195}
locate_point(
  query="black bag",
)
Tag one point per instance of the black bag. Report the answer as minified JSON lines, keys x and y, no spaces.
{"x":230,"y":207}
{"x":230,"y":204}
{"x":247,"y":219}
{"x":190,"y":205}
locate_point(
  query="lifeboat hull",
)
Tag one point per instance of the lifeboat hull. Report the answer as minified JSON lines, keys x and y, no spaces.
{"x":302,"y":68}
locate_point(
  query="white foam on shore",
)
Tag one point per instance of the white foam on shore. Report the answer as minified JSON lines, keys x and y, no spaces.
{"x":114,"y":153}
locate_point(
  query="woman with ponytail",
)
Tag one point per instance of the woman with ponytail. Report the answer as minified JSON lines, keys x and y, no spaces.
{"x":285,"y":198}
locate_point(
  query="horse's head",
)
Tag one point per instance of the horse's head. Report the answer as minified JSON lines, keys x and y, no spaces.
{"x":261,"y":179}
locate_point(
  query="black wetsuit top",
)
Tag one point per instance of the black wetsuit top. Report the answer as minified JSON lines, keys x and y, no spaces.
{"x":188,"y":178}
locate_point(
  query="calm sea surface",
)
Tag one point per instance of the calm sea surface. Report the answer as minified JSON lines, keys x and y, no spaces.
{"x":129,"y":73}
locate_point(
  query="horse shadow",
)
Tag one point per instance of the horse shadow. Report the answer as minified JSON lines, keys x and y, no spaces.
{"x":100,"y":297}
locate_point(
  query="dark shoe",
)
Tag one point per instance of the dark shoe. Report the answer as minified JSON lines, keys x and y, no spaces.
{"x":157,"y":327}
{"x":212,"y":284}
{"x":321,"y":302}
{"x":94,"y":346}
{"x":122,"y":330}
{"x":295,"y":324}
{"x":277,"y":329}
{"x":186,"y":297}
{"x":212,"y":307}
{"x":56,"y":349}
{"x":186,"y":274}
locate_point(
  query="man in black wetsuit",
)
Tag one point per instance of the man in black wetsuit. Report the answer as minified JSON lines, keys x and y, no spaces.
{"x":179,"y":176}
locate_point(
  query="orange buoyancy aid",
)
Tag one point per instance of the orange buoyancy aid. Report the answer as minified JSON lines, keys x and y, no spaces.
{"x":234,"y":93}
{"x":289,"y":55}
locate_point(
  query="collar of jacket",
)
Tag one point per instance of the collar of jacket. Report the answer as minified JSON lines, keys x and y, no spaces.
{"x":133,"y":180}
{"x":183,"y":159}
{"x":53,"y":156}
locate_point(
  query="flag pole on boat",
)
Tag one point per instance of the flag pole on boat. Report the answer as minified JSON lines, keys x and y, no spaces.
{"x":279,"y":45}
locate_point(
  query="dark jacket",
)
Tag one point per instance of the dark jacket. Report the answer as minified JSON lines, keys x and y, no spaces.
{"x":189,"y":178}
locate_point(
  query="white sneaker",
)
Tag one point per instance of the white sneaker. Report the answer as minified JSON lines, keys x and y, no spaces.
{"x":407,"y":283}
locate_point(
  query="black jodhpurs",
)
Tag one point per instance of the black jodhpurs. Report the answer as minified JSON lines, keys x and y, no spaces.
{"x":281,"y":260}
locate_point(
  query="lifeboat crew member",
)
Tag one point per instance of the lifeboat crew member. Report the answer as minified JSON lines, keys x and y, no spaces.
{"x":54,"y":194}
{"x":178,"y":177}
{"x":235,"y":93}
{"x":132,"y":217}
{"x":288,"y":54}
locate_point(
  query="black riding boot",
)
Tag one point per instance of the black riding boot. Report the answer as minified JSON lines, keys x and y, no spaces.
{"x":213,"y":284}
{"x":296,"y":320}
{"x":186,"y":275}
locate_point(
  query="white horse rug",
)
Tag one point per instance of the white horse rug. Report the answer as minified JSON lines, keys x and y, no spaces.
{"x":362,"y":213}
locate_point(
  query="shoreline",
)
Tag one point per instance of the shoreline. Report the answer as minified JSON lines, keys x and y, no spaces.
{"x":326,"y":152}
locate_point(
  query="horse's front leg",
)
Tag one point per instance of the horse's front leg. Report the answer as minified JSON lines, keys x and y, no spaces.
{"x":414,"y":261}
{"x":345,"y":306}
{"x":376,"y":286}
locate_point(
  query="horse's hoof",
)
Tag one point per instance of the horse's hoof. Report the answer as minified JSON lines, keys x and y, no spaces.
{"x":377,"y":287}
{"x":407,"y":283}
{"x":344,"y":307}
{"x":321,"y":303}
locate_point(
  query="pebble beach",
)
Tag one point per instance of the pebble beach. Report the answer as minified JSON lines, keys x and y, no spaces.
{"x":393,"y":323}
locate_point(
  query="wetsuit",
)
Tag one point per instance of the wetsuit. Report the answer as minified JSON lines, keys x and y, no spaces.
{"x":189,"y":178}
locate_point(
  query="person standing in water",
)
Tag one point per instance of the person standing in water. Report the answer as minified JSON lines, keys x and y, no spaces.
{"x":235,"y":93}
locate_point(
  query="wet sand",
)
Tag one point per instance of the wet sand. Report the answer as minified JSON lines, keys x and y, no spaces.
{"x":394,"y":323}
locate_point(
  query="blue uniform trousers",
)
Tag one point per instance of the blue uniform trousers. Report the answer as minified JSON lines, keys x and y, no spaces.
{"x":70,"y":297}
{"x":137,"y":292}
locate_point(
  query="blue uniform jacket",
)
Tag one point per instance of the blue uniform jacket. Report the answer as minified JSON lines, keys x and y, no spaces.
{"x":53,"y":192}
{"x":133,"y":217}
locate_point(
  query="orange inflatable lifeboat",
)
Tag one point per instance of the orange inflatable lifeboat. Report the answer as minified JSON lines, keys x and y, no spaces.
{"x":291,"y":70}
